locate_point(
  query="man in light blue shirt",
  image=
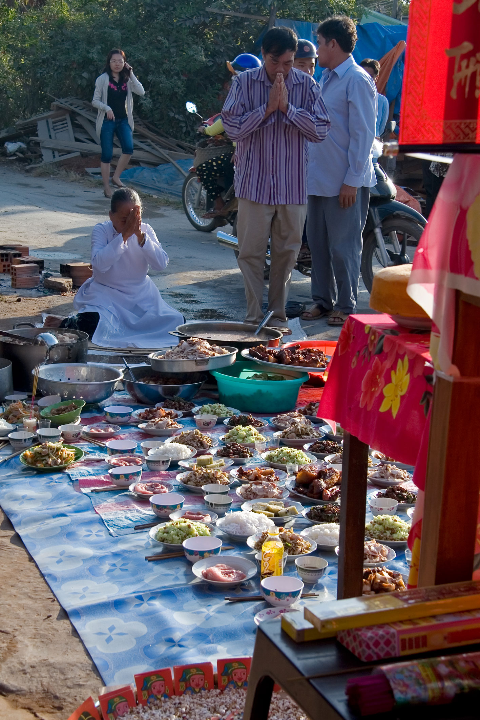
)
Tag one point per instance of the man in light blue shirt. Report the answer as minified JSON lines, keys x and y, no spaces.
{"x":340,"y":173}
{"x":372,"y":67}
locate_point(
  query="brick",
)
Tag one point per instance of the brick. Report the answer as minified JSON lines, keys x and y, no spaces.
{"x":24,"y":270}
{"x":62,"y":284}
{"x":30,"y":259}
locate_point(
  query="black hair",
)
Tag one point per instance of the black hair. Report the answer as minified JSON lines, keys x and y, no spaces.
{"x":124,"y":195}
{"x":124,"y":74}
{"x":340,"y":28}
{"x":372,"y":64}
{"x":279,"y":40}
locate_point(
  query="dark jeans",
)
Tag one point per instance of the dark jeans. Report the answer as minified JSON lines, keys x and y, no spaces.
{"x":124,"y":134}
{"x":85,"y":322}
{"x":432,"y":185}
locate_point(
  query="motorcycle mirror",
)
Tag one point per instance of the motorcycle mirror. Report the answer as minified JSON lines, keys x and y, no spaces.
{"x":191,"y":107}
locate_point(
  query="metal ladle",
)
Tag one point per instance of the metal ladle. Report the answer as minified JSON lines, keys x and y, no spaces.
{"x":263,"y":322}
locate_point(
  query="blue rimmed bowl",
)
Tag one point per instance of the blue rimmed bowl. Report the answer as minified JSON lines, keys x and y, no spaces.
{"x":125,"y":475}
{"x":118,"y":413}
{"x":281,"y":590}
{"x":121,"y":447}
{"x":199,"y":548}
{"x":166,"y":503}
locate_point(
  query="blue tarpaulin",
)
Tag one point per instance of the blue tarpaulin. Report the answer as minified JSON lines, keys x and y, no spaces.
{"x":164,"y":179}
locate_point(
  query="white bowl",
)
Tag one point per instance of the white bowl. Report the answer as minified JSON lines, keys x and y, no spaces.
{"x":214,"y":489}
{"x":49,"y":434}
{"x":21,"y":439}
{"x":121,"y":447}
{"x":282,"y":590}
{"x":178,"y":514}
{"x":126,"y":475}
{"x":118,"y":413}
{"x":156,"y":464}
{"x":235,"y":561}
{"x":218,"y":503}
{"x":205,"y":422}
{"x":200,"y":548}
{"x":48,"y":400}
{"x":6,"y":428}
{"x":383,"y":506}
{"x":159,"y":432}
{"x":311,"y":569}
{"x":148,"y":445}
{"x":166,"y":503}
{"x":71,"y":432}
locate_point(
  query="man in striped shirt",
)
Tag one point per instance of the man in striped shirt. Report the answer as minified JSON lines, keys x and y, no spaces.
{"x":272,"y":113}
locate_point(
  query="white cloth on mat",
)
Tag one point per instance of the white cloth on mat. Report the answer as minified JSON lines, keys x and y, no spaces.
{"x":132,"y":311}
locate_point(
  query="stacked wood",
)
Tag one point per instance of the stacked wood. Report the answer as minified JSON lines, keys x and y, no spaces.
{"x":25,"y":276}
{"x":68,"y":130}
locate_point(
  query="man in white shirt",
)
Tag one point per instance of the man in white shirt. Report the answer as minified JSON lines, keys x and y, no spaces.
{"x":340,"y":173}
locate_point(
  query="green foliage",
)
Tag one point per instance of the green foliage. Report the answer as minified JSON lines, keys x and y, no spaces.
{"x":178,"y":51}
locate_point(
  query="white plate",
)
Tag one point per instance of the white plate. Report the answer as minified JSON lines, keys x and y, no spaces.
{"x":158,"y":432}
{"x":185,"y":413}
{"x":402,"y":507}
{"x":290,"y":484}
{"x":384,"y":483}
{"x":259,"y":427}
{"x":192,"y":488}
{"x":281,"y":474}
{"x":239,"y":461}
{"x":290,"y":558}
{"x":327,"y":459}
{"x":146,"y":498}
{"x":282,"y":466}
{"x":190,"y":463}
{"x":250,"y":445}
{"x":316,"y":522}
{"x":234,"y":537}
{"x":137,"y":419}
{"x":390,"y":543}
{"x":239,"y":563}
{"x":320,"y":546}
{"x":390,"y":556}
{"x":219,"y":417}
{"x":296,"y":443}
{"x":114,"y":430}
{"x":285,"y":494}
{"x":173,"y":546}
{"x":272,"y":613}
{"x":178,"y":514}
{"x":248,"y":504}
{"x":202,"y":451}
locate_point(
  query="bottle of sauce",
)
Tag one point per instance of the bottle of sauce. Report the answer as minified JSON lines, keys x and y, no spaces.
{"x":272,"y":555}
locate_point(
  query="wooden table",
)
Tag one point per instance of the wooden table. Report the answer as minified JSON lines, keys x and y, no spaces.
{"x":279,"y":659}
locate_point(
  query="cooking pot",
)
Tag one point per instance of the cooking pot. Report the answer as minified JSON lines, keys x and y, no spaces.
{"x":220,"y":332}
{"x":25,"y":357}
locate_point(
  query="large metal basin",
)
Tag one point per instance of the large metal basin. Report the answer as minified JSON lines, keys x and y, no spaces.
{"x":93,"y":382}
{"x":153,"y":394}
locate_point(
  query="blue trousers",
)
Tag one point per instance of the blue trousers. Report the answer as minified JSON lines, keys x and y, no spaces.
{"x":124,"y":134}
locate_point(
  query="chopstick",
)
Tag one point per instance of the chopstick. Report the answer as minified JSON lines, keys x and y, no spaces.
{"x":176,"y":554}
{"x":92,"y":441}
{"x":145,"y":526}
{"x":105,"y":489}
{"x":246,"y":598}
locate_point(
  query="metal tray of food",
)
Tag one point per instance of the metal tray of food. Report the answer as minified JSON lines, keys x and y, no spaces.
{"x":279,"y":366}
{"x":160,"y":364}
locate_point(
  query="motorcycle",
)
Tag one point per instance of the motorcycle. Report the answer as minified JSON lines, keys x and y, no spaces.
{"x":195,"y":199}
{"x":390,"y":236}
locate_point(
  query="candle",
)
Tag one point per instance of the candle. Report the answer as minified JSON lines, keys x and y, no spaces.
{"x":30,"y":424}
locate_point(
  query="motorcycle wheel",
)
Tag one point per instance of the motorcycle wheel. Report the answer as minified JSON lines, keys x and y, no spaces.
{"x":371,"y":259}
{"x":194,"y":211}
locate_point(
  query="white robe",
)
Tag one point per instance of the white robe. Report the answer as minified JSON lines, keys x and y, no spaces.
{"x":132,"y":312}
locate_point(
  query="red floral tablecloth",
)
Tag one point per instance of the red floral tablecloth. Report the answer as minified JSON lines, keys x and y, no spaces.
{"x":379,"y":385}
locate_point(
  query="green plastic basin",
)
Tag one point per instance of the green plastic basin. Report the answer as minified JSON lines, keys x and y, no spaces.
{"x":237,"y":390}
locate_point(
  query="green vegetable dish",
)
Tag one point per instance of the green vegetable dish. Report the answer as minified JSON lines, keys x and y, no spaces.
{"x":286,"y":455}
{"x":176,"y":531}
{"x":266,"y":376}
{"x":387,"y":527}
{"x":246,"y":434}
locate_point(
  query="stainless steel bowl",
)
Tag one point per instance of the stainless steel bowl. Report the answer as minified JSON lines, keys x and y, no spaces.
{"x":152,"y":394}
{"x":93,"y":382}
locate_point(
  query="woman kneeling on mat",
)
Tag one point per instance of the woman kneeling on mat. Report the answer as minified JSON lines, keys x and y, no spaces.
{"x":120,"y":306}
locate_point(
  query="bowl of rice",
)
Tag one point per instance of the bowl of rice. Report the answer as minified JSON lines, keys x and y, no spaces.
{"x":239,"y":526}
{"x":326,"y":535}
{"x":173,"y":451}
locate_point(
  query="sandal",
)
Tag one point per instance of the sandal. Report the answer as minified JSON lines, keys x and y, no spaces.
{"x":315,"y":312}
{"x":118,"y":184}
{"x":337,"y":318}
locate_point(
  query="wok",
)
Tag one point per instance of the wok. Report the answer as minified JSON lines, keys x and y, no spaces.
{"x":241,"y":335}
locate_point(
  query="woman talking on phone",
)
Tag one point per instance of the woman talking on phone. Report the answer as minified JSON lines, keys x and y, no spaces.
{"x":114,"y":102}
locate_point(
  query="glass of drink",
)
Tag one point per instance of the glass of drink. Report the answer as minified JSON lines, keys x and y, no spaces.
{"x":44,"y":423}
{"x":30,"y":424}
{"x":261,"y":446}
{"x":273,"y":443}
{"x":292,"y":468}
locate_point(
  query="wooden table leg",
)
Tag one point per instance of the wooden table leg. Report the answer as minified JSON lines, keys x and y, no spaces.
{"x":352,"y":517}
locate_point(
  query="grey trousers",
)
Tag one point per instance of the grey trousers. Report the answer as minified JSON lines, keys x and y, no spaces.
{"x":284,"y":225}
{"x":335,"y":241}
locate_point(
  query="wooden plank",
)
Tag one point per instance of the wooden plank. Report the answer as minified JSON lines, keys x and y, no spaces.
{"x":88,"y":126}
{"x":91,"y":149}
{"x":162,"y":154}
{"x":352,"y":517}
{"x":44,"y":133}
{"x":55,"y":160}
{"x":169,"y":144}
{"x":31,"y":122}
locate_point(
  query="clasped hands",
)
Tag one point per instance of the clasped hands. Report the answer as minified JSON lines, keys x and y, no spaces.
{"x":133,"y":226}
{"x":278,"y":98}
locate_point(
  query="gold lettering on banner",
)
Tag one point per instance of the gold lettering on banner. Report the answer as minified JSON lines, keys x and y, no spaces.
{"x":460,"y":7}
{"x":464,"y":69}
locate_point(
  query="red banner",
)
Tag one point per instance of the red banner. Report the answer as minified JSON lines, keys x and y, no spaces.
{"x":441,"y":91}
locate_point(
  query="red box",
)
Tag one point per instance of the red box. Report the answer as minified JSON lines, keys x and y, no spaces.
{"x":114,"y":704}
{"x":233,"y":672}
{"x":86,"y":711}
{"x":154,"y":685}
{"x":193,"y":679}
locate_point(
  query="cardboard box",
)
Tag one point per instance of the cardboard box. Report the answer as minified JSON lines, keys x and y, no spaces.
{"x":331,"y":617}
{"x":193,"y":679}
{"x":116,"y":703}
{"x":410,"y":637}
{"x":154,"y":685}
{"x":233,"y":672}
{"x":86,"y":711}
{"x":298,"y":628}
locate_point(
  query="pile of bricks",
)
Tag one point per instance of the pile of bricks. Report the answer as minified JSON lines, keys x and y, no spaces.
{"x":78,"y":271}
{"x":28,"y":260}
{"x":10,"y":252}
{"x":25,"y":276}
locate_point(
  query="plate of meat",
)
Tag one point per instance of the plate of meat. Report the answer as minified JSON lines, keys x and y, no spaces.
{"x":145,"y":490}
{"x":258,"y":473}
{"x":235,"y":570}
{"x":318,"y":484}
{"x":295,"y":356}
